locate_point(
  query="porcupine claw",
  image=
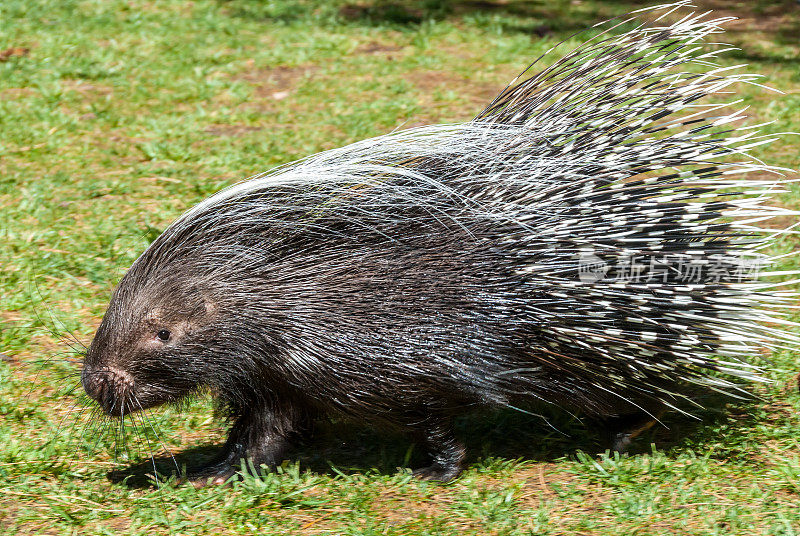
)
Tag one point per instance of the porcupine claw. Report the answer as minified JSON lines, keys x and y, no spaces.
{"x":218,"y":472}
{"x":438,"y":472}
{"x":219,"y":477}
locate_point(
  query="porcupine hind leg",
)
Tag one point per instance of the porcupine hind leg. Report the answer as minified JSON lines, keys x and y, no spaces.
{"x":447,"y":453}
{"x":258,"y":437}
{"x":625,"y":428}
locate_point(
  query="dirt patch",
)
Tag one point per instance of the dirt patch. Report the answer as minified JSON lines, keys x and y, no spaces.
{"x":10,"y":316}
{"x":474,"y":95}
{"x":428,"y":81}
{"x":352,"y":11}
{"x":86,"y":89}
{"x":397,"y":509}
{"x":17,"y":92}
{"x":375,"y":48}
{"x":14,"y":52}
{"x":9,"y":507}
{"x":538,"y":483}
{"x":277,"y":83}
{"x":118,"y":524}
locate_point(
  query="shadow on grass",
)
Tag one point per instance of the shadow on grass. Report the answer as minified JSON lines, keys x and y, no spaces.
{"x":345,"y":447}
{"x":526,"y":16}
{"x":780,"y":19}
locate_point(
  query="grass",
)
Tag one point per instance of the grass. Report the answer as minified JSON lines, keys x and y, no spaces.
{"x":117,"y":116}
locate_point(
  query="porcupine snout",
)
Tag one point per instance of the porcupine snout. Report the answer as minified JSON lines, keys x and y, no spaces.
{"x":109,"y":386}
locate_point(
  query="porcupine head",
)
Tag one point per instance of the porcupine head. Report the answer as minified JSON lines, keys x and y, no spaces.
{"x":152,"y":345}
{"x":167,"y":334}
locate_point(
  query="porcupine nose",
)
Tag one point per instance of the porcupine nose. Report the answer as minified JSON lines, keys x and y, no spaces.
{"x":105,"y":385}
{"x":94,"y":382}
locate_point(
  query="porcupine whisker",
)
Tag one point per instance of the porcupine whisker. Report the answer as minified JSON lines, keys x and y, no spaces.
{"x":61,"y":379}
{"x":143,"y":434}
{"x":135,"y":453}
{"x":140,"y":432}
{"x":69,"y":413}
{"x":107,"y":425}
{"x":66,"y":415}
{"x":72,"y":414}
{"x":120,"y":437}
{"x":88,"y":425}
{"x":72,"y":350}
{"x":94,"y":419}
{"x":144,"y":415}
{"x":140,"y":448}
{"x":53,"y":319}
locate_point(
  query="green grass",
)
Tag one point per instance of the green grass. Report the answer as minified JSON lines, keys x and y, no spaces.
{"x":121,"y":115}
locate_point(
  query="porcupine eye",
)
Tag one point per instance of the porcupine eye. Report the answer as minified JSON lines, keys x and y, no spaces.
{"x":163,"y":335}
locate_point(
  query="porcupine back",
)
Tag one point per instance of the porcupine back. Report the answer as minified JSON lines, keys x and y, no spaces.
{"x":453,"y":259}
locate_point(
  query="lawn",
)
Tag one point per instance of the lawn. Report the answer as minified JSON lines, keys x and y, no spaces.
{"x":117,"y":116}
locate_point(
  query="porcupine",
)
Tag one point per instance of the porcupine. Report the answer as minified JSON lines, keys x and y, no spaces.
{"x":407,"y":279}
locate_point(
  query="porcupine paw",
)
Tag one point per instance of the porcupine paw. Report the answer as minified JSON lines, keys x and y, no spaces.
{"x":218,"y":474}
{"x":625,"y":429}
{"x":221,"y":478}
{"x":620,"y":442}
{"x":447,"y":454}
{"x":439,"y":472}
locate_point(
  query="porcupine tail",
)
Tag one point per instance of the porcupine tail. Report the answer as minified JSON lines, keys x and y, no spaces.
{"x":643,"y":218}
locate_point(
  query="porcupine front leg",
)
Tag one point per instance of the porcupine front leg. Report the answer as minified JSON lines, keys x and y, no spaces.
{"x":447,"y":453}
{"x":259,"y":437}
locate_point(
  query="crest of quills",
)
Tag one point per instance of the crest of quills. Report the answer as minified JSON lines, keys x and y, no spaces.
{"x":410,"y":278}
